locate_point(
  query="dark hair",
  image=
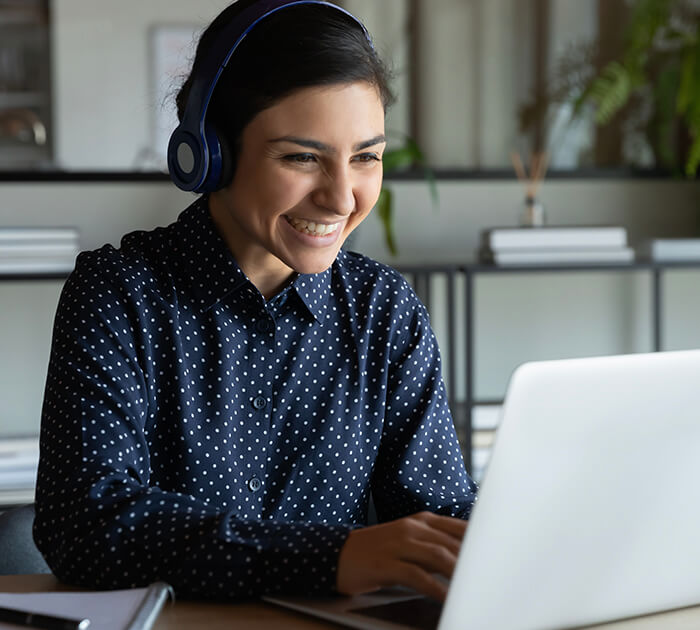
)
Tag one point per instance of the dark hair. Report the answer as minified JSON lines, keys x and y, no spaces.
{"x":300,"y":46}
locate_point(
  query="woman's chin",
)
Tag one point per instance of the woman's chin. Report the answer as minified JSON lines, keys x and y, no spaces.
{"x":319,"y":264}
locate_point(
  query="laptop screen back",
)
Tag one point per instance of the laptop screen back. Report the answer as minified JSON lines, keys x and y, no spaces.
{"x":590,"y":507}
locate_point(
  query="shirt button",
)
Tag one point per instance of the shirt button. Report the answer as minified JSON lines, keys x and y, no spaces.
{"x":263,"y":326}
{"x":254,"y":484}
{"x":259,"y":402}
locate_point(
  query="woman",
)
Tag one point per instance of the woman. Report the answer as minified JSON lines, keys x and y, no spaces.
{"x":224,"y":393}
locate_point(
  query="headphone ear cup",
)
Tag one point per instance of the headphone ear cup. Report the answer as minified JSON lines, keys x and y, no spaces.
{"x":185,"y":159}
{"x":220,"y":168}
{"x":211,"y":176}
{"x":228,"y":162}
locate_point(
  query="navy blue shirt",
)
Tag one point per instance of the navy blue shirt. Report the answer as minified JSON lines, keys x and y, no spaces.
{"x":196,"y":433}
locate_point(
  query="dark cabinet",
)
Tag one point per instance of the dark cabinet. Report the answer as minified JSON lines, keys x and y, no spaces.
{"x":25,"y":84}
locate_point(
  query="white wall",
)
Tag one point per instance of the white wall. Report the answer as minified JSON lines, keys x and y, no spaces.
{"x":387,"y":21}
{"x":103,"y":85}
{"x":518,"y":317}
{"x":472,"y":73}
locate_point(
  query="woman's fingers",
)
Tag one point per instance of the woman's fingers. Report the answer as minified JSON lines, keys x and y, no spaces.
{"x":426,"y":532}
{"x":454,"y":527}
{"x":421,"y":581}
{"x":431,"y":558}
{"x":404,"y":552}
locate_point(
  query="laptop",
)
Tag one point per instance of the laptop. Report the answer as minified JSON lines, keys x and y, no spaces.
{"x":589,"y":510}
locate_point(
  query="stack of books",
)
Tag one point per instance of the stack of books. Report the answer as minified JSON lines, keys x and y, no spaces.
{"x":671,"y":249}
{"x":19,"y":458}
{"x":28,"y":250}
{"x":555,"y":245}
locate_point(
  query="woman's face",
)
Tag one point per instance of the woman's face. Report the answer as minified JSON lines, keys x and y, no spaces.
{"x":309,"y":172}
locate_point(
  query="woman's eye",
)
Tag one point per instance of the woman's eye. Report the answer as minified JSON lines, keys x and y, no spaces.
{"x":300,"y":158}
{"x":368,"y":157}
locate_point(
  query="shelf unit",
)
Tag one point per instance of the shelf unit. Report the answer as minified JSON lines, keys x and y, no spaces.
{"x":15,"y":496}
{"x":422,"y":276}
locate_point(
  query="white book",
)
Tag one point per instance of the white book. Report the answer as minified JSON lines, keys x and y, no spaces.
{"x":49,"y":248}
{"x":16,"y":496}
{"x":18,"y":461}
{"x":483,"y":439}
{"x":486,"y":417}
{"x":497,"y":239}
{"x":38,"y":234}
{"x":480,"y":460}
{"x":19,"y":444}
{"x":48,"y":264}
{"x":562,"y":257}
{"x":18,"y":479}
{"x":671,"y":249}
{"x":65,"y":255}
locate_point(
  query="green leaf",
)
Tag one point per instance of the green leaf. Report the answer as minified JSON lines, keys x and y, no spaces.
{"x":665,"y":89}
{"x":611,"y":91}
{"x":402,"y":157}
{"x":693,"y":161}
{"x":690,"y":101}
{"x":432,"y":185}
{"x":647,"y":17}
{"x":408,"y":154}
{"x":690,"y":69}
{"x":412,"y":148}
{"x":385,"y":212}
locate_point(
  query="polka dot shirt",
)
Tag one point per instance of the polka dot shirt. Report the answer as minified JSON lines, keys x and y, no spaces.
{"x":196,"y":433}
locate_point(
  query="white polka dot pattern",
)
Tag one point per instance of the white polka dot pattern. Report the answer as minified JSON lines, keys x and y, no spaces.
{"x":196,"y":433}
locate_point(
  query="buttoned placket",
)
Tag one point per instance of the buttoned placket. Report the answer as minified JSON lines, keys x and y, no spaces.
{"x":262,"y":334}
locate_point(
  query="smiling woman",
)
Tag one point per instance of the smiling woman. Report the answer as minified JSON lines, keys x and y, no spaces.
{"x":308,"y":173}
{"x":224,"y":393}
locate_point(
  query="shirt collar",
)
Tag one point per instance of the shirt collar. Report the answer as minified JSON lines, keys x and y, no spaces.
{"x":202,"y":258}
{"x":313,"y":290}
{"x":207,"y":265}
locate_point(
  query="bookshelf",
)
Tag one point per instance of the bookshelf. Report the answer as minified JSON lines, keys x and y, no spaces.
{"x":475,"y":437}
{"x":19,"y":454}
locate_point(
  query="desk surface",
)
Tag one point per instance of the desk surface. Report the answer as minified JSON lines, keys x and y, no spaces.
{"x":192,"y":615}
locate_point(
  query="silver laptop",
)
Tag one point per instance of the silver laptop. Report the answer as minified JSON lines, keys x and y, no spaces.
{"x":589,"y":510}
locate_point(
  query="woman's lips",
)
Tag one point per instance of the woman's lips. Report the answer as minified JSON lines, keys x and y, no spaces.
{"x":312,"y":228}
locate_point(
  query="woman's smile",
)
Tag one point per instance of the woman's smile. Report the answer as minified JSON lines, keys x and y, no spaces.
{"x":312,"y":228}
{"x":313,"y":233}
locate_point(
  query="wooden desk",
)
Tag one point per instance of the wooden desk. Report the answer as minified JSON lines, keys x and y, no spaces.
{"x":190,"y":615}
{"x":194,"y":616}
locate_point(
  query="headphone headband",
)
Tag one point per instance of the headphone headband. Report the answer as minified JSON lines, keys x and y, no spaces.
{"x":194,"y":150}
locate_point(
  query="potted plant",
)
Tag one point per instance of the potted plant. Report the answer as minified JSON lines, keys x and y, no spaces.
{"x":654,"y":83}
{"x":403,"y":157}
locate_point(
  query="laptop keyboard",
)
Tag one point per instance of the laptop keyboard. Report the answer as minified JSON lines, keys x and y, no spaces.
{"x":420,"y":612}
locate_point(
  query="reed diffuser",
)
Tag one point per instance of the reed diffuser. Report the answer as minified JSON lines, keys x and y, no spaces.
{"x":533,"y":214}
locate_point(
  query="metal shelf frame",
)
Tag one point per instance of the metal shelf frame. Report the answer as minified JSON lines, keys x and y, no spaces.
{"x":422,"y":283}
{"x":422,"y":276}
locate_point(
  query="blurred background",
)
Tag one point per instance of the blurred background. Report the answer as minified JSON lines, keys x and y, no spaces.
{"x":87,"y":85}
{"x":609,"y":90}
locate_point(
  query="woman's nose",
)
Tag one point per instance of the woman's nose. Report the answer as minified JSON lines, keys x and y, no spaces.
{"x":335,"y":192}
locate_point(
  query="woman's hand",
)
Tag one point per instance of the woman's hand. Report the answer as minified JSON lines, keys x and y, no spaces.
{"x":404,"y":552}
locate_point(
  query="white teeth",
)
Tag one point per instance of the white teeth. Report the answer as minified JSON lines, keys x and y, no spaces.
{"x":315,"y":229}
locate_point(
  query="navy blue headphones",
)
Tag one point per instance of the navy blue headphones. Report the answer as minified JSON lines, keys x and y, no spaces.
{"x":196,"y":154}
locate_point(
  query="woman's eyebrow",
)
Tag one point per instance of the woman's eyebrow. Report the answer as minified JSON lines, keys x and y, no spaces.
{"x":325,"y":148}
{"x":380,"y":139}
